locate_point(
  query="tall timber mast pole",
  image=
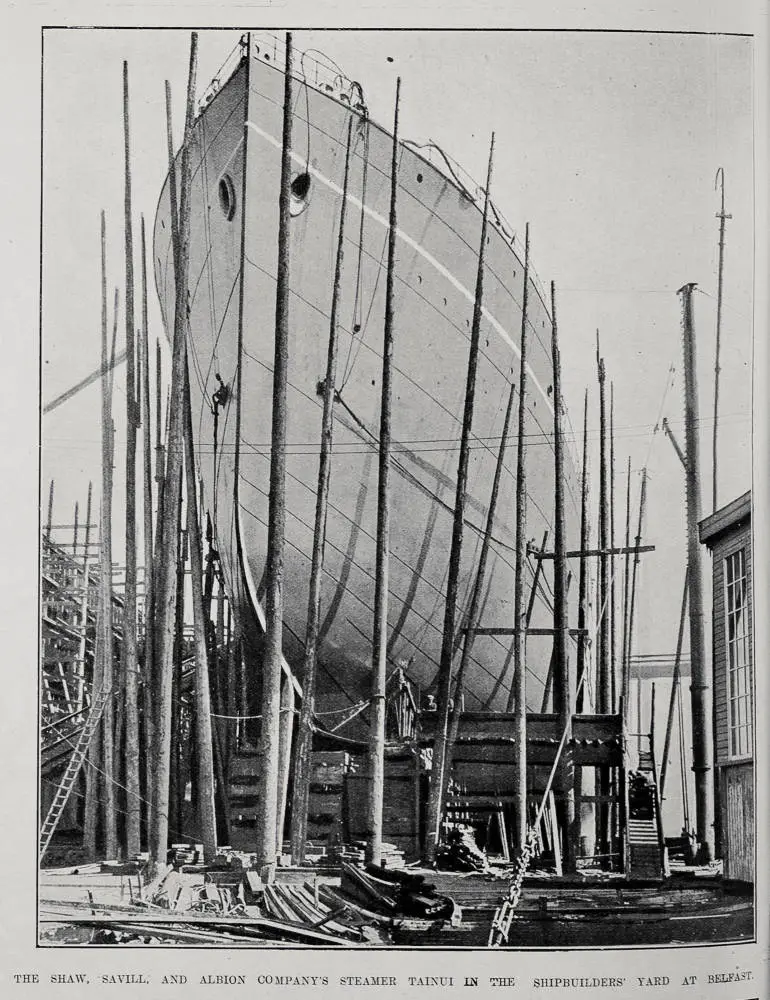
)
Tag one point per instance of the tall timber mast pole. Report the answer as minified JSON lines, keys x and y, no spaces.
{"x":203,"y":737}
{"x":304,"y":743}
{"x":267,"y":812}
{"x":105,"y":596}
{"x":81,"y":662}
{"x":723,"y":217}
{"x":624,"y":672}
{"x":674,"y":688}
{"x":602,"y":603}
{"x":613,"y":653}
{"x":583,"y":570}
{"x":632,"y":601}
{"x":700,"y":688}
{"x":149,"y":588}
{"x":380,"y":632}
{"x":169,"y":532}
{"x":563,"y":688}
{"x":437,"y":782}
{"x":476,"y":601}
{"x":130,"y":663}
{"x":519,"y":609}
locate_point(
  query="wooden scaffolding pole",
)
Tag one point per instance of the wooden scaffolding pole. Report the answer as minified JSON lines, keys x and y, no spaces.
{"x":130,"y":663}
{"x":49,"y":519}
{"x":437,"y":784}
{"x":520,"y":616}
{"x":285,"y":735}
{"x":149,"y":587}
{"x":81,"y":664}
{"x":169,"y":530}
{"x":585,"y":529}
{"x":700,"y":687}
{"x":603,"y":686}
{"x":207,"y":828}
{"x":632,"y":592}
{"x":105,"y":590}
{"x":471,"y":633}
{"x":272,"y":662}
{"x":563,"y":687}
{"x":380,"y":625}
{"x":624,"y":668}
{"x":674,"y":688}
{"x":723,"y":217}
{"x":304,"y":742}
{"x":613,"y":705}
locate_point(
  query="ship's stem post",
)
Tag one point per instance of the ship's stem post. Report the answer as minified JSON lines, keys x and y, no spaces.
{"x":304,"y":741}
{"x":272,"y":664}
{"x":700,"y":689}
{"x":583,"y":568}
{"x":169,"y":532}
{"x":130,"y":657}
{"x":149,"y":673}
{"x":207,"y":830}
{"x":675,"y":680}
{"x":723,"y":217}
{"x":437,"y":783}
{"x":519,"y":830}
{"x":563,"y":688}
{"x":380,"y":630}
{"x":604,"y":685}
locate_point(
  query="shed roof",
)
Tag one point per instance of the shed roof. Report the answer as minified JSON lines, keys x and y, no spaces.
{"x":725,"y":519}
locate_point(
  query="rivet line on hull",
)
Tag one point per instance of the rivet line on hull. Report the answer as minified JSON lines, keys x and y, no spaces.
{"x":414,"y":245}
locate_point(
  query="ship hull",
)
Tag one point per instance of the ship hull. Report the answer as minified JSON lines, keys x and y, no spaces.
{"x":236,"y":162}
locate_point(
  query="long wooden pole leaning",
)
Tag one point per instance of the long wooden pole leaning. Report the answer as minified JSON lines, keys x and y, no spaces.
{"x":267,"y":809}
{"x":166,"y":595}
{"x":519,"y":688}
{"x":437,"y":782}
{"x":563,"y":688}
{"x":380,"y":629}
{"x":304,"y":742}
{"x":149,"y":582}
{"x":130,"y":663}
{"x":207,"y":829}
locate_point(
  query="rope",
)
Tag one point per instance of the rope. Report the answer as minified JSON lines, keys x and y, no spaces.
{"x":359,"y":706}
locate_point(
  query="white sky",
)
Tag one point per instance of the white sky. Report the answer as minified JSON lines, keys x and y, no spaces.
{"x":606,"y":143}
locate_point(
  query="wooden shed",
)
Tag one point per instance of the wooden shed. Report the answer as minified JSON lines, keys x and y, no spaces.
{"x":727,"y":533}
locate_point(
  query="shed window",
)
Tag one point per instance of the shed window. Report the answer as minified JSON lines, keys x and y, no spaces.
{"x":738,"y":655}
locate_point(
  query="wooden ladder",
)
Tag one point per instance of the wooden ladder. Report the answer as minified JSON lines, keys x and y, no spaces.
{"x":72,"y":771}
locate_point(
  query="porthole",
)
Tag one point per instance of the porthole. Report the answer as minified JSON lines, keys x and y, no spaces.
{"x":227,"y":196}
{"x":419,"y":178}
{"x":300,"y":193}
